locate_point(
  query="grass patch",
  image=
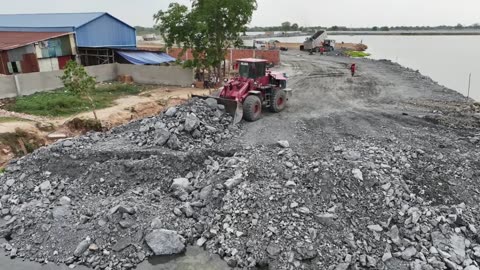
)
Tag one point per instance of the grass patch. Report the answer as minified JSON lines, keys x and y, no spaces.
{"x":2,"y":171}
{"x":357,"y":54}
{"x":63,"y":103}
{"x":7,"y":119}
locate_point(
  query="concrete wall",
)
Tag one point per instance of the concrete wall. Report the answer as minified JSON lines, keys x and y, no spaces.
{"x":7,"y":87}
{"x":167,"y":75}
{"x":103,"y":73}
{"x":30,"y":83}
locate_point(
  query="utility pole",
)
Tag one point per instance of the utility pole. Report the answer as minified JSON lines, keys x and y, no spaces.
{"x":469,"y":83}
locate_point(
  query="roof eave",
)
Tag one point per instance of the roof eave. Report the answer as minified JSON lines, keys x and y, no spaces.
{"x":16,"y":46}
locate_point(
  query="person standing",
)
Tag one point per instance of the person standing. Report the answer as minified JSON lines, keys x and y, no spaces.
{"x":353,"y":68}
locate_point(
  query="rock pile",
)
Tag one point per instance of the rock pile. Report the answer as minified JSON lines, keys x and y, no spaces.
{"x":154,"y":186}
{"x":184,"y":127}
{"x":105,"y":200}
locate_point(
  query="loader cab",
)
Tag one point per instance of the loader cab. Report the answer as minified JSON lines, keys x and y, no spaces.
{"x":252,"y":68}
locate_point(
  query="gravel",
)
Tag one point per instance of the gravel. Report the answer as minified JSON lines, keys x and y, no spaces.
{"x":306,"y":189}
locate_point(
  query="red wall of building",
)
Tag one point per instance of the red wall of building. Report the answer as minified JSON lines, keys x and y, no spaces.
{"x":29,"y":63}
{"x":272,"y":56}
{"x":63,"y":60}
{"x":3,"y":62}
{"x":175,"y":53}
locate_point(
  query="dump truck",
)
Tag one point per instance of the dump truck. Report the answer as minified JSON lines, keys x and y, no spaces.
{"x":329,"y":45}
{"x":315,"y":42}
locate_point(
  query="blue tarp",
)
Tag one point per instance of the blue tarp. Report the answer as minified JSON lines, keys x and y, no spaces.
{"x":146,"y":58}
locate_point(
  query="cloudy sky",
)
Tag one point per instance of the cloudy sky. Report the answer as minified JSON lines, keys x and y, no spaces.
{"x":273,"y":12}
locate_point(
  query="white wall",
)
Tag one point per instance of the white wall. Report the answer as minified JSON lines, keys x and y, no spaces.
{"x":103,"y":73}
{"x":30,"y":83}
{"x":7,"y":87}
{"x":166,"y":75}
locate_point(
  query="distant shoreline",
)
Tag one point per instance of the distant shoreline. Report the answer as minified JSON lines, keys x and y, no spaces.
{"x":377,"y":33}
{"x":410,"y":33}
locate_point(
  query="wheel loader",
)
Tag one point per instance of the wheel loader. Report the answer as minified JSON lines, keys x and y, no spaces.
{"x":255,"y":88}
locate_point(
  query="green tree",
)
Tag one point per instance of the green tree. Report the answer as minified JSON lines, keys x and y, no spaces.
{"x":286,"y":26}
{"x":375,"y":28}
{"x":77,"y":81}
{"x":384,"y":28}
{"x":294,"y":27}
{"x":209,"y":28}
{"x":459,"y":26}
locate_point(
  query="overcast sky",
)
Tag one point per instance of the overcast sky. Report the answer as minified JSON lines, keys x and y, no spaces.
{"x":272,"y":12}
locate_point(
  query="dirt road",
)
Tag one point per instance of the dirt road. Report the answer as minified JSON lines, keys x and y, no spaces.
{"x":382,"y":101}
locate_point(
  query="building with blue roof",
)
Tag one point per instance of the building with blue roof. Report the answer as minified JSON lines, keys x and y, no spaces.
{"x":93,"y":30}
{"x":46,"y":42}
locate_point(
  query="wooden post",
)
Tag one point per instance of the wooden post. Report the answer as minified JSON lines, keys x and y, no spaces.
{"x":469,"y":84}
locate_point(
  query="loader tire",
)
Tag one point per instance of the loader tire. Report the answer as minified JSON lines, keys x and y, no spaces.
{"x":252,"y":108}
{"x":279,"y":101}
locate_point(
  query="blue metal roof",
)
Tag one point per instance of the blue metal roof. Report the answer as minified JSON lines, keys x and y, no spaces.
{"x":146,"y":58}
{"x":96,"y":29}
{"x":48,"y":20}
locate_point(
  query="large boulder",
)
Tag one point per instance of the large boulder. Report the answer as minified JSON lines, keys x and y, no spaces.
{"x":173,"y":142}
{"x":180,"y":183}
{"x":171,"y":111}
{"x":82,"y":247}
{"x":162,"y":136}
{"x":165,"y":242}
{"x":191,"y":122}
{"x":45,"y":187}
{"x":212,"y":103}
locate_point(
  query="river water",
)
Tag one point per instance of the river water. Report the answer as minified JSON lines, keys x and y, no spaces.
{"x":446,"y":59}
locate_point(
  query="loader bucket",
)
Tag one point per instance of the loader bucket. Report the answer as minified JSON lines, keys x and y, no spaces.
{"x":232,"y":107}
